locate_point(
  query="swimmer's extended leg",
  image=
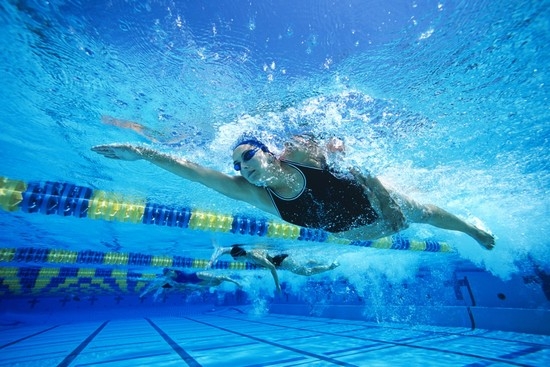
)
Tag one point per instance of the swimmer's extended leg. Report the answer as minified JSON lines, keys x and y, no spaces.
{"x":440,"y":218}
{"x":214,"y":280}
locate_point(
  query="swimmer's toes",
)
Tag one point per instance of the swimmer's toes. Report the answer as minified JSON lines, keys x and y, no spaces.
{"x":489,"y":243}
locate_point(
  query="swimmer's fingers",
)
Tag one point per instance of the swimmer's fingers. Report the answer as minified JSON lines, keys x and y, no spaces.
{"x":118,"y":151}
{"x":105,"y":151}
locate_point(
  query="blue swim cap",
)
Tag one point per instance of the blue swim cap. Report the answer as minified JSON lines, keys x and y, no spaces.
{"x":250,"y":139}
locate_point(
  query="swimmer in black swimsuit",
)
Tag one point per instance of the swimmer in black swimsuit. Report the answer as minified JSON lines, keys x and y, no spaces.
{"x":298,"y":187}
{"x":172,"y":278}
{"x":280,"y":261}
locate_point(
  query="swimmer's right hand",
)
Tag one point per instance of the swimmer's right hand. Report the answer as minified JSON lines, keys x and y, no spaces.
{"x":126,"y":152}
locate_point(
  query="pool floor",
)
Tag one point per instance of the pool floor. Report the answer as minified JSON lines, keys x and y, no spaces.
{"x":233,"y":338}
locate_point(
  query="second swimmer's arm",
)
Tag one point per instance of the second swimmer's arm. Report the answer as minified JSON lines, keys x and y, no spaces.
{"x":262,"y":261}
{"x":275,"y":277}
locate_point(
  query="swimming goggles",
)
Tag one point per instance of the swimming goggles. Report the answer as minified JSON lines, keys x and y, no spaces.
{"x":248,"y":155}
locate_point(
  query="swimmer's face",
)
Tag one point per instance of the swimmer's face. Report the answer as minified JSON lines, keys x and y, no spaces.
{"x":252,"y":163}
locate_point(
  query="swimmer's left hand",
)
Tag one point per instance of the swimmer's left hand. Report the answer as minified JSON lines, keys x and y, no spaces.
{"x":126,"y":152}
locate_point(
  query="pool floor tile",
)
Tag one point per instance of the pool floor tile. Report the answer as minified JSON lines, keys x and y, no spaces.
{"x":235,"y":339}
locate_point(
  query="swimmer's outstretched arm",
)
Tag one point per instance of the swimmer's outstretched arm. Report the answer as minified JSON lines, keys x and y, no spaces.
{"x":235,"y":187}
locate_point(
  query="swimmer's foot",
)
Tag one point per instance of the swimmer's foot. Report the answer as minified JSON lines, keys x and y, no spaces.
{"x":334,"y":265}
{"x":479,"y":232}
{"x":485,"y":239}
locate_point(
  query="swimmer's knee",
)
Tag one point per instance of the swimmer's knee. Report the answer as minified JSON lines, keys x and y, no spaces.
{"x":428,"y":210}
{"x":423,"y":213}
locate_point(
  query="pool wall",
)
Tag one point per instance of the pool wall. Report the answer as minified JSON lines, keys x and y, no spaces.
{"x":474,"y":299}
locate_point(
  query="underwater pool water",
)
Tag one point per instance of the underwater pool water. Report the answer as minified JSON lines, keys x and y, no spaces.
{"x":445,"y":102}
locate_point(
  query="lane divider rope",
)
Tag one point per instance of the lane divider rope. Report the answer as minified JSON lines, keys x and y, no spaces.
{"x":33,"y":280}
{"x":67,"y":199}
{"x":57,"y":256}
